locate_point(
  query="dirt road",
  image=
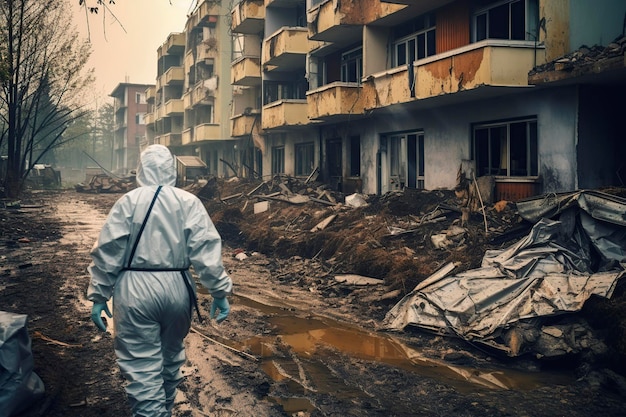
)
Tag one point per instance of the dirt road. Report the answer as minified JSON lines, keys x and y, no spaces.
{"x":285,"y":350}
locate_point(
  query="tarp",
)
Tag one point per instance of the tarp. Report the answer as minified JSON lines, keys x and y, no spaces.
{"x":19,"y":385}
{"x":551,"y":271}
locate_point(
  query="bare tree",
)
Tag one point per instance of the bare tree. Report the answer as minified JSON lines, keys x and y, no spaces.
{"x":44,"y":79}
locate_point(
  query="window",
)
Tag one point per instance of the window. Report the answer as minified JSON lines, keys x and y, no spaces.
{"x":511,"y":19}
{"x":414,"y":40}
{"x":506,"y":148}
{"x":137,"y":97}
{"x":278,"y":160}
{"x":140,"y":118}
{"x":284,"y":90}
{"x":352,"y":66}
{"x":305,"y":158}
{"x":406,"y":160}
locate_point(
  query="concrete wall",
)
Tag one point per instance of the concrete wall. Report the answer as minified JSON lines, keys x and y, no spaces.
{"x":447,"y":136}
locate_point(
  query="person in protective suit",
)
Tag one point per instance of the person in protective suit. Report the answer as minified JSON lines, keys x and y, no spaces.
{"x":152,"y":236}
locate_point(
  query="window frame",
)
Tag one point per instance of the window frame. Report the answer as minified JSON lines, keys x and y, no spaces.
{"x":399,"y":147}
{"x":304,"y":154}
{"x":349,"y":58}
{"x":530,"y":20}
{"x":498,"y":167}
{"x":426,"y":26}
{"x":278,"y":160}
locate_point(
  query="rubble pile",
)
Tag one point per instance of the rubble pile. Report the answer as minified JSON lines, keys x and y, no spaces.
{"x":388,"y":244}
{"x":585,"y":58}
{"x":105,"y":183}
{"x":400,"y":237}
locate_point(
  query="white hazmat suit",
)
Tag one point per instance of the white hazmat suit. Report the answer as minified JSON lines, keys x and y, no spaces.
{"x":144,"y":268}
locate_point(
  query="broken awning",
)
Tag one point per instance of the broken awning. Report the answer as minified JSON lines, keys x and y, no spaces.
{"x":553,"y":270}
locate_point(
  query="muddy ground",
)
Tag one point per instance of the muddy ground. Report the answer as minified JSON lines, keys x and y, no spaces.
{"x":297,"y":342}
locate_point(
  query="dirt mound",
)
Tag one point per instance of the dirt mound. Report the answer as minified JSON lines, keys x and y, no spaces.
{"x":400,"y":237}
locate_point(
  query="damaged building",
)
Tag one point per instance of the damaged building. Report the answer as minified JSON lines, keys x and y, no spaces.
{"x":380,"y":96}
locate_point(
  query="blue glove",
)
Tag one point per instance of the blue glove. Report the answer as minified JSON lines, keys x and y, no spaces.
{"x":96,"y":312}
{"x":223,"y":306}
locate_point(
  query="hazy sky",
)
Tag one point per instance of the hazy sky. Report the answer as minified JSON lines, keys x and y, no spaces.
{"x":126,"y":51}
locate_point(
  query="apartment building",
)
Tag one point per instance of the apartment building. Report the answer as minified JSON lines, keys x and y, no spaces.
{"x":383,"y":95}
{"x":190,"y":105}
{"x":130,"y":108}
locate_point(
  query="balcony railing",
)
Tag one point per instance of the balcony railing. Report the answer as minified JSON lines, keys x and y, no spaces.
{"x":246,"y":71}
{"x":174,"y":107}
{"x":284,"y":114}
{"x":486,"y":63}
{"x":150,"y":94}
{"x":170,"y":139}
{"x":175,"y":44}
{"x":245,"y":124}
{"x":173,"y":76}
{"x":335,"y":101}
{"x":248,"y":16}
{"x":207,"y":131}
{"x":150,"y":118}
{"x":205,"y":15}
{"x":286,"y":49}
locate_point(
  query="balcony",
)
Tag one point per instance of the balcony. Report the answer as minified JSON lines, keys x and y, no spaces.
{"x":202,"y":132}
{"x":284,"y":114}
{"x":248,"y":17}
{"x":341,"y":25}
{"x":335,"y":102}
{"x":243,"y":125}
{"x":246,"y":71}
{"x":175,"y":44}
{"x":205,"y":15}
{"x":286,"y":49}
{"x":198,"y":95}
{"x":150,"y":118}
{"x":150,"y":94}
{"x":173,"y":76}
{"x":485,"y":69}
{"x":170,"y":139}
{"x":174,"y":107}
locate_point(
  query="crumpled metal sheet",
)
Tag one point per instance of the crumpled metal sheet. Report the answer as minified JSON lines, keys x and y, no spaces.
{"x":550,"y":271}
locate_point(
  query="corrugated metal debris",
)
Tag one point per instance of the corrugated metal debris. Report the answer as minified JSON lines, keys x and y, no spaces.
{"x":577,"y":253}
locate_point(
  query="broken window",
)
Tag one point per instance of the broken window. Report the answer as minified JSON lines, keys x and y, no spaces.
{"x":414,"y":40}
{"x":352,"y":66}
{"x":512,"y":20}
{"x":278,"y":160}
{"x":305,"y":158}
{"x":506,"y":148}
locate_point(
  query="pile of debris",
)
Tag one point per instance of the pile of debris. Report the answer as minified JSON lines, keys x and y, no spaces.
{"x":584,"y":60}
{"x":409,"y":243}
{"x":105,"y":183}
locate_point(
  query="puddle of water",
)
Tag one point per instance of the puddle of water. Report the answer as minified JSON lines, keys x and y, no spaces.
{"x":313,"y":337}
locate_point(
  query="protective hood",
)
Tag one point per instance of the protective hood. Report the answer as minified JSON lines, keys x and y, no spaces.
{"x":156,"y":167}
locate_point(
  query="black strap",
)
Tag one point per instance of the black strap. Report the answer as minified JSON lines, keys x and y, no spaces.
{"x":143,"y":226}
{"x":192,"y":298}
